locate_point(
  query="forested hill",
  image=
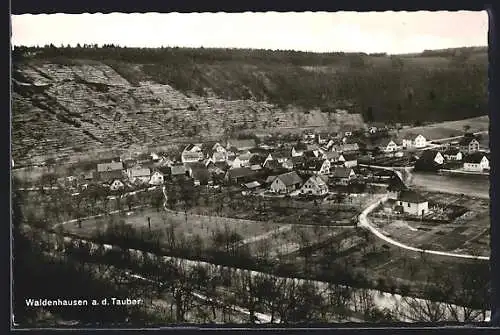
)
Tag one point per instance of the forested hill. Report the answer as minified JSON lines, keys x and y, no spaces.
{"x":71,"y":101}
{"x":432,"y":86}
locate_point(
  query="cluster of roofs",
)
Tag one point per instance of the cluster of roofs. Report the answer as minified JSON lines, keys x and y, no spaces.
{"x":306,"y":168}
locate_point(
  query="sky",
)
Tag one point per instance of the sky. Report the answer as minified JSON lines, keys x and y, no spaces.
{"x":390,"y":32}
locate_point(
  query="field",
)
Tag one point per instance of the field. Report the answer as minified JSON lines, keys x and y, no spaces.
{"x":475,"y":186}
{"x":466,"y":234}
{"x":184,"y":227}
{"x":449,"y":128}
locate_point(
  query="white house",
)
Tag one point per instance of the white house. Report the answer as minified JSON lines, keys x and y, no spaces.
{"x":192,"y":153}
{"x":156,"y":178}
{"x":412,"y":203}
{"x":296,"y":152}
{"x":342,"y":175}
{"x":388,"y":146}
{"x":349,"y":161}
{"x":412,"y":141}
{"x":469,"y":144}
{"x":476,"y":162}
{"x":315,"y":185}
{"x":286,"y":183}
{"x":116,"y":185}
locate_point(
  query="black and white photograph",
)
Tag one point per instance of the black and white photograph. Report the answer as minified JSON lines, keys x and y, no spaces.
{"x":256,"y":168}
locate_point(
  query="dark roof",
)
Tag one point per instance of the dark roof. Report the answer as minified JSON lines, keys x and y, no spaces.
{"x":164,"y":169}
{"x":259,"y":151}
{"x":282,"y":153}
{"x":298,"y":160}
{"x":257,"y":159}
{"x":350,"y":157}
{"x":309,"y":154}
{"x":411,"y":196}
{"x":452,"y":151}
{"x":240,"y":172}
{"x":272,"y":164}
{"x":428,"y":155}
{"x":189,"y":147}
{"x":201,"y":174}
{"x":396,"y":184}
{"x":290,"y":178}
{"x":313,"y":164}
{"x":467,"y":140}
{"x":194,"y":165}
{"x":242,"y":144}
{"x":108,"y":175}
{"x":474,"y":158}
{"x":341,"y":172}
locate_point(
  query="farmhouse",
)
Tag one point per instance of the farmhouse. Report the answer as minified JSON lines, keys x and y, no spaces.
{"x":116,"y":185}
{"x":156,"y":178}
{"x":476,"y":162}
{"x":412,"y":141}
{"x":244,"y":144}
{"x":281,"y":155}
{"x":178,"y":171}
{"x":469,"y":144}
{"x":315,"y":185}
{"x":256,"y":162}
{"x":242,"y":160}
{"x":453,"y":154}
{"x":217,"y":168}
{"x":286,"y":183}
{"x":388,"y":145}
{"x":342,"y":175}
{"x":192,"y":153}
{"x":138,"y":174}
{"x":412,"y":203}
{"x":316,"y":166}
{"x":432,"y":156}
{"x":349,"y":147}
{"x":332,"y":156}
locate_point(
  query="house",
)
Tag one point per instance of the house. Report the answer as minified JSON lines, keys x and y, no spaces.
{"x":476,"y":162}
{"x":296,"y":152}
{"x":342,"y":175}
{"x":288,"y":164}
{"x":139,"y":174}
{"x":395,"y":187}
{"x":154,"y":157}
{"x":157,"y":178}
{"x":272,"y":165}
{"x":201,"y":176}
{"x":214,"y":151}
{"x":432,"y":156}
{"x":108,"y":176}
{"x":388,"y":145}
{"x":286,"y":183}
{"x":244,"y":144}
{"x":412,"y":203}
{"x":469,"y":144}
{"x":116,"y":185}
{"x":453,"y":154}
{"x":239,"y":175}
{"x":315,"y":185}
{"x":256,"y":162}
{"x":253,"y":185}
{"x":242,"y":160}
{"x":281,"y":155}
{"x":192,"y":153}
{"x":332,"y":156}
{"x":349,"y":160}
{"x":316,"y":166}
{"x":412,"y":141}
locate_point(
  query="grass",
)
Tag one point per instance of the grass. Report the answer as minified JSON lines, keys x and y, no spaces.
{"x":448,"y":128}
{"x":195,"y":225}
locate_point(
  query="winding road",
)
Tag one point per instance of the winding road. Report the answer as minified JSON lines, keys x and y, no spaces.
{"x":365,"y":223}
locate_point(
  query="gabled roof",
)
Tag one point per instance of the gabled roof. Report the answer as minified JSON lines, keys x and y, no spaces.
{"x":474,"y":158}
{"x":257,"y":159}
{"x":309,"y":154}
{"x":114,"y":166}
{"x":349,"y":147}
{"x":240,"y":172}
{"x":332,"y":155}
{"x":467,"y":140}
{"x":190,"y":147}
{"x":290,"y":178}
{"x":317,"y":180}
{"x":272,"y":164}
{"x":314,"y":164}
{"x":245,"y":156}
{"x":341,"y":172}
{"x":282,"y":153}
{"x":412,"y":197}
{"x":252,"y":184}
{"x":429,"y":155}
{"x":452,"y":151}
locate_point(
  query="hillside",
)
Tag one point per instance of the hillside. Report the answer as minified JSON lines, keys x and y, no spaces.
{"x":71,"y":100}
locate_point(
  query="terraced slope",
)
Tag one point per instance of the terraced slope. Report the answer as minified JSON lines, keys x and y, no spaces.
{"x":62,"y":110}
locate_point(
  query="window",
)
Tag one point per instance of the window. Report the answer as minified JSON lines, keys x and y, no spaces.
{"x":408,"y":205}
